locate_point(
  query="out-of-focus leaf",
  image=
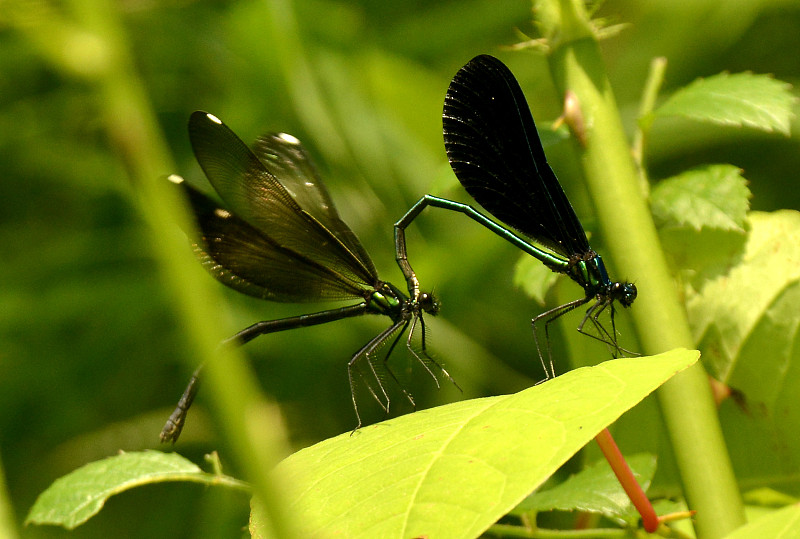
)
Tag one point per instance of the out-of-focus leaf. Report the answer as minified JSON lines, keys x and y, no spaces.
{"x":747,"y":319}
{"x":75,"y":498}
{"x":741,"y":99}
{"x":746,"y":322}
{"x":534,"y":278}
{"x":768,"y":497}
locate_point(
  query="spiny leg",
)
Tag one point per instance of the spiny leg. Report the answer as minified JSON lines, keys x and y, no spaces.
{"x":593,"y":314}
{"x":608,"y":338}
{"x":366,"y":352}
{"x":351,"y":366}
{"x":427,"y":357}
{"x":367,"y":357}
{"x":391,"y":372}
{"x":353,"y":397}
{"x":419,"y":358}
{"x":354,"y":366}
{"x":549,"y":317}
{"x":622,"y":351}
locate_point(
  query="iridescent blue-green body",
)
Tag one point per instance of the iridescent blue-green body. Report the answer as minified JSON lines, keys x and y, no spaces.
{"x":495,"y":151}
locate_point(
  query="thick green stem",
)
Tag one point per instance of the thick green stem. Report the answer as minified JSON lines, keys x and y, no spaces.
{"x":252,"y":427}
{"x":622,"y":211}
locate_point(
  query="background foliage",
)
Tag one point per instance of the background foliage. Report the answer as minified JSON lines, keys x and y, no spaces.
{"x":92,"y":356}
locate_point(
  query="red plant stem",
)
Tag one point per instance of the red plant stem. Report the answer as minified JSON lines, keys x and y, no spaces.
{"x":625,"y":476}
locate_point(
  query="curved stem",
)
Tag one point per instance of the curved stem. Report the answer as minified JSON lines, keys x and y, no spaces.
{"x":252,"y":427}
{"x":628,"y":481}
{"x":655,"y":78}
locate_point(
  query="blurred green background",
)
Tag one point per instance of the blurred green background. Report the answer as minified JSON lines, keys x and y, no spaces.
{"x":91,"y":351}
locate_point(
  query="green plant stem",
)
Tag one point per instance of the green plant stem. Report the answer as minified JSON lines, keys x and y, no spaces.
{"x":213,"y":480}
{"x":686,"y":401}
{"x":507,"y":530}
{"x":655,"y":78}
{"x":252,"y":427}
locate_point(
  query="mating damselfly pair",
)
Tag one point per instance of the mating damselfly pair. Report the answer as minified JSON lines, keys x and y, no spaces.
{"x":277,"y":235}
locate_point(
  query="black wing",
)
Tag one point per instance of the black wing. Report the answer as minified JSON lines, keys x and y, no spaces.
{"x":495,"y":151}
{"x":249,"y":261}
{"x":266,"y":244}
{"x":286,"y":159}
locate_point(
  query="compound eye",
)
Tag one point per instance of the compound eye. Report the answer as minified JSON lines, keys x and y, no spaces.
{"x":625,"y":293}
{"x":629,"y":294}
{"x":428,"y":303}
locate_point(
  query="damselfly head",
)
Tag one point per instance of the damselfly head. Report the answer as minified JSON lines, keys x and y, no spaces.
{"x":625,"y":293}
{"x":429,"y":303}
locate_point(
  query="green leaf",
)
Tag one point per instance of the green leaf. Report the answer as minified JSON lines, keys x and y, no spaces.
{"x":259,"y":520}
{"x":73,"y":499}
{"x":715,"y":196}
{"x":741,"y":99}
{"x":455,"y":470}
{"x":767,"y":497}
{"x":747,"y":318}
{"x":699,"y":256}
{"x":746,"y":322}
{"x":701,"y":216}
{"x":781,"y":524}
{"x":594,"y":490}
{"x":534,"y":278}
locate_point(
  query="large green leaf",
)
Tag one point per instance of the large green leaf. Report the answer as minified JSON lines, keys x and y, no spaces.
{"x":781,"y":524}
{"x":454,"y":470}
{"x":746,"y":321}
{"x":747,"y":318}
{"x":757,"y":101}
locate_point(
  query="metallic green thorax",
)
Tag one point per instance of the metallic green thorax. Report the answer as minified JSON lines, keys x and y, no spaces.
{"x":589,"y":271}
{"x":386,"y":299}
